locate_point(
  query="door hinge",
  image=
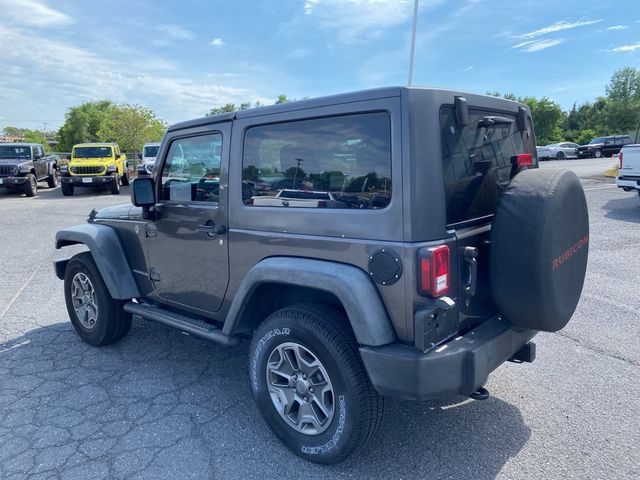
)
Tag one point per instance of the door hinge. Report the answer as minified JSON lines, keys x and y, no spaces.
{"x":150,"y":230}
{"x":154,"y":275}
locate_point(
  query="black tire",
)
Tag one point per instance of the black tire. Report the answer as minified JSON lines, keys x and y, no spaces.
{"x":124,"y":179}
{"x":539,"y":249}
{"x":357,"y":408}
{"x":67,"y":189}
{"x":52,"y":180}
{"x":112,"y":323}
{"x":115,"y":185}
{"x":560,"y":156}
{"x":31,"y":186}
{"x":597,"y":154}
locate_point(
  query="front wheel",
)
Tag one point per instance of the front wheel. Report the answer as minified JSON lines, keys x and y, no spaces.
{"x":597,"y":154}
{"x":97,"y":318}
{"x":560,"y":156}
{"x":31,"y":186}
{"x":310,"y":384}
{"x":115,"y":184}
{"x":67,"y":189}
{"x":52,"y":180}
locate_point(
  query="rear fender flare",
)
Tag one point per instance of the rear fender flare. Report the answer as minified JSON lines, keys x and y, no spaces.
{"x":350,"y":285}
{"x":106,"y":249}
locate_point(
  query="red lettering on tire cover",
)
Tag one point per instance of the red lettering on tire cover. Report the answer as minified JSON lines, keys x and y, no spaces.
{"x":569,"y":252}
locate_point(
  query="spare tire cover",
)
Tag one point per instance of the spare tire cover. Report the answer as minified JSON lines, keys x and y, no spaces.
{"x":539,"y":249}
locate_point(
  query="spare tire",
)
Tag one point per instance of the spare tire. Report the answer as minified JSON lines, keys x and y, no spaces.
{"x":539,"y":249}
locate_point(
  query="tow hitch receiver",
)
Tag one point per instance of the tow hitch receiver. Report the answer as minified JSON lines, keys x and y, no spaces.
{"x":525,"y":354}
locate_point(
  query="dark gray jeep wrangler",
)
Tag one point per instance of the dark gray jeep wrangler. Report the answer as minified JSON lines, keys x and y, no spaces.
{"x":23,"y":165}
{"x":392,"y":242}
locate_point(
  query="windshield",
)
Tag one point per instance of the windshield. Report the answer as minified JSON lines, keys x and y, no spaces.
{"x":15,"y":152}
{"x":597,"y":140}
{"x":91,"y":152}
{"x":151,"y":151}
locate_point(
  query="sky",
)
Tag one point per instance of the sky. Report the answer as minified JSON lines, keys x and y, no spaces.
{"x":181,"y":58}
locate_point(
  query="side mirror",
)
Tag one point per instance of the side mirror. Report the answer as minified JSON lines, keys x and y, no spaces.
{"x":139,"y":155}
{"x":67,"y":156}
{"x":142,"y":194}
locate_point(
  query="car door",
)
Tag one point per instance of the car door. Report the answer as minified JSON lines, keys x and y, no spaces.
{"x":609,"y":147}
{"x":187,"y":241}
{"x":39,"y":162}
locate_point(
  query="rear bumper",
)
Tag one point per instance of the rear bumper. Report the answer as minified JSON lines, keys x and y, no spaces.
{"x":460,"y":366}
{"x":12,"y":181}
{"x":628,"y":182}
{"x":86,"y":181}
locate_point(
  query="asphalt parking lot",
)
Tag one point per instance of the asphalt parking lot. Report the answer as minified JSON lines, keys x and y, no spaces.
{"x":161,"y":404}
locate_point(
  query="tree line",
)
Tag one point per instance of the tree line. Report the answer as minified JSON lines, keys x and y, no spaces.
{"x":131,"y":126}
{"x":615,"y":112}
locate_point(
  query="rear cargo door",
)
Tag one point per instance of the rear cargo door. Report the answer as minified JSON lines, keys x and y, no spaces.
{"x":478,"y":165}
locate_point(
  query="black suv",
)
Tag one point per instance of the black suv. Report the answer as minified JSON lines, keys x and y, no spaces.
{"x":23,"y":165}
{"x":604,"y":146}
{"x":392,"y":242}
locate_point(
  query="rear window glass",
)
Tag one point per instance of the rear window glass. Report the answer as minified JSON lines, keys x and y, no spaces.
{"x":333,"y":162}
{"x":477,"y":161}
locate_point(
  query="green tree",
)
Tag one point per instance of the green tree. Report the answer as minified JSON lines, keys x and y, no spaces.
{"x":622,"y":111}
{"x":82,"y":124}
{"x":131,"y":126}
{"x":232,"y":107}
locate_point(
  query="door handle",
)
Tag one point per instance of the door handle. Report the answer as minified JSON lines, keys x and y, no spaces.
{"x":211,"y":229}
{"x":470,"y":255}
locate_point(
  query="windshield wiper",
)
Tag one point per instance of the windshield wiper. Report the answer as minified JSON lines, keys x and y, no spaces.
{"x":492,"y":120}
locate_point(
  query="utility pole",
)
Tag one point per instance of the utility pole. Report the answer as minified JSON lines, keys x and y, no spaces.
{"x":44,"y":129}
{"x":413,"y":40}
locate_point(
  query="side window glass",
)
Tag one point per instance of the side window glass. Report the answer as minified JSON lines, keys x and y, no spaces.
{"x":191,"y":172}
{"x":336,"y":162}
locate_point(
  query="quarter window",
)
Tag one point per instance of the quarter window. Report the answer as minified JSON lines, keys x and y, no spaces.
{"x":191,"y":171}
{"x":335,"y":162}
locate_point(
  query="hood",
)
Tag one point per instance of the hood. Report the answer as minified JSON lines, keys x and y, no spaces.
{"x":100,"y":160}
{"x":125,"y":211}
{"x":14,"y":161}
{"x":592,"y":145}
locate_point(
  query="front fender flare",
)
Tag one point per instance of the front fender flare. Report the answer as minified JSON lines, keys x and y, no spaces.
{"x":352,"y":286}
{"x":106,"y":249}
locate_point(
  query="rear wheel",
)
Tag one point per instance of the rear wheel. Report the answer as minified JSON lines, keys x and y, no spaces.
{"x":67,"y":189}
{"x":96,"y":316}
{"x":310,"y":384}
{"x":124,"y":179}
{"x":115,"y":184}
{"x":31,"y":186}
{"x":52,"y":180}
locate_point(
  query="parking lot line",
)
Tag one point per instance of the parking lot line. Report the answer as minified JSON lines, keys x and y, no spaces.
{"x":21,"y":289}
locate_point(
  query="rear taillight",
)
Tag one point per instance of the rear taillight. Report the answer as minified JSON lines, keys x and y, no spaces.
{"x":620,"y":160}
{"x":524,"y":160}
{"x":435,"y":275}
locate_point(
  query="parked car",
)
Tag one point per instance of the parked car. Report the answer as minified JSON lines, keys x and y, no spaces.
{"x":629,"y":166}
{"x":456,"y":251}
{"x":95,"y":165}
{"x":23,"y":165}
{"x":604,"y":146}
{"x":559,"y":151}
{"x":148,"y":157}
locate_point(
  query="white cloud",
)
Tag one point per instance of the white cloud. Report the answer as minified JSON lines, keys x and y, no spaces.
{"x":627,"y":48}
{"x":557,"y":27}
{"x":357,"y":20}
{"x":33,"y":13}
{"x":68,"y":72}
{"x":537,"y":45}
{"x":217,"y":42}
{"x":176,"y":31}
{"x":617,"y":27}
